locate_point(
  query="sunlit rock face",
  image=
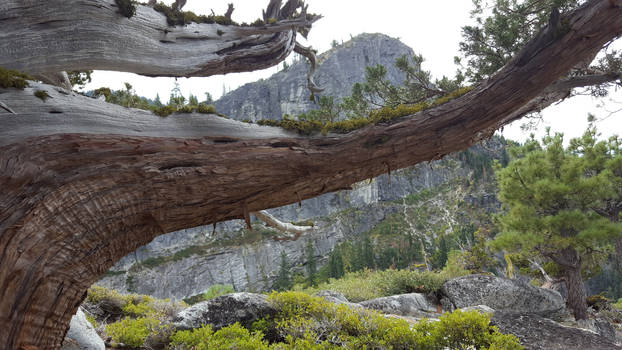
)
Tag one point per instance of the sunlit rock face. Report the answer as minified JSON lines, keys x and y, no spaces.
{"x":339,"y":68}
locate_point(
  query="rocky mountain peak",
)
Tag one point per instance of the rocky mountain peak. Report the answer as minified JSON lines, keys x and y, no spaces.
{"x":339,"y":69}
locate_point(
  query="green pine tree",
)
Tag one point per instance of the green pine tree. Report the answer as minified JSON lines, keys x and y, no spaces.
{"x":604,"y":158}
{"x":335,"y":264}
{"x":549,"y":196}
{"x":368,"y":253}
{"x":311,"y":265}
{"x":283,"y":279}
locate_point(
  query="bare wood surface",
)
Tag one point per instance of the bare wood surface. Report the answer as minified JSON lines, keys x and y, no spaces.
{"x":82,"y":194}
{"x":285,"y":227}
{"x":73,"y":35}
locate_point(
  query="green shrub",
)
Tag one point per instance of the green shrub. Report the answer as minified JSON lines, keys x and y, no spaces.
{"x":42,"y":94}
{"x":313,"y":323}
{"x":218,"y":290}
{"x":133,"y":332}
{"x":465,"y":330}
{"x":142,"y":308}
{"x":230,"y":337}
{"x":92,"y":321}
{"x":134,"y":305}
{"x":213,"y":292}
{"x":127,"y":7}
{"x":367,"y":284}
{"x":13,"y":79}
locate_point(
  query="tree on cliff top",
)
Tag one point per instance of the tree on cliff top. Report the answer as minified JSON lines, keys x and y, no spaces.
{"x":85,"y":182}
{"x":550,"y":193}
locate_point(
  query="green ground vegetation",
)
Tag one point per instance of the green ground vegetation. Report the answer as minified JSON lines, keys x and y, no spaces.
{"x":213,"y":292}
{"x":177,"y":103}
{"x":307,"y":322}
{"x":302,"y":321}
{"x":370,"y":284}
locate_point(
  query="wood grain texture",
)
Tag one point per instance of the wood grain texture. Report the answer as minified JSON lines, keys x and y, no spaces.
{"x":83,"y":188}
{"x":65,"y":35}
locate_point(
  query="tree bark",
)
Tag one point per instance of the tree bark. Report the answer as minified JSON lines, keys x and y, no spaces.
{"x":85,"y":183}
{"x":73,"y":35}
{"x":574,"y":283}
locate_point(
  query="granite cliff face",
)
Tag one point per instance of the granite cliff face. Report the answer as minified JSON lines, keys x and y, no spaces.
{"x":339,"y":68}
{"x":423,"y":200}
{"x":188,"y":262}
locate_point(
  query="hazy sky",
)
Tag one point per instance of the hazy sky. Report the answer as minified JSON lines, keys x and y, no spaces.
{"x":431,"y":28}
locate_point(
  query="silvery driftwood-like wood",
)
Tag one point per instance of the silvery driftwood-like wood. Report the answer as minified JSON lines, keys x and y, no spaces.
{"x":61,"y":35}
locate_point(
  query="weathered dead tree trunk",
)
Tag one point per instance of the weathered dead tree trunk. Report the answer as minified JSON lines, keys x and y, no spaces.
{"x":68,"y":35}
{"x":84,"y":183}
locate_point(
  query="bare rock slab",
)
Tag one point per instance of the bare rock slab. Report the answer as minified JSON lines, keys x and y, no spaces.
{"x":225,"y":310}
{"x":503,"y":295}
{"x":539,"y":333}
{"x":82,"y":335}
{"x":412,"y":304}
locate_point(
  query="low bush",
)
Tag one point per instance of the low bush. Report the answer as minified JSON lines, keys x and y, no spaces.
{"x":13,"y":79}
{"x":231,"y":337}
{"x":213,"y":292}
{"x":115,"y":305}
{"x":133,"y":332}
{"x":367,"y":284}
{"x":307,"y":322}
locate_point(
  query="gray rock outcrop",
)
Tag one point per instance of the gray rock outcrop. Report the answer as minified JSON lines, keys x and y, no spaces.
{"x":412,"y":304}
{"x":539,"y":333}
{"x":82,"y":335}
{"x":502,"y":294}
{"x":600,"y":326}
{"x":188,"y":262}
{"x":225,"y":310}
{"x":338,"y":69}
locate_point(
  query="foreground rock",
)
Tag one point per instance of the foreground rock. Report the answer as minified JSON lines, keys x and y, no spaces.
{"x":413,"y":304}
{"x":225,"y":310}
{"x":336,"y":298}
{"x":539,"y":333}
{"x":502,"y":294}
{"x":82,"y":335}
{"x":600,"y":326}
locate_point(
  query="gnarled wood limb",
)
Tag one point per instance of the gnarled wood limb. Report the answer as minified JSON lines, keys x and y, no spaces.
{"x":310,"y":55}
{"x":60,"y":79}
{"x":84,"y":183}
{"x":76,"y":35}
{"x":286,"y":227}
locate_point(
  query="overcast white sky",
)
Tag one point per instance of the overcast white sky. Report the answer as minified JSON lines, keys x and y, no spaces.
{"x":431,"y":28}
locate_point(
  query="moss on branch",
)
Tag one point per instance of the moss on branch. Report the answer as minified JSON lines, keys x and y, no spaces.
{"x":13,"y":79}
{"x":386,"y":114}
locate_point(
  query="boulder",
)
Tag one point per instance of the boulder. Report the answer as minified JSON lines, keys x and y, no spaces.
{"x":502,"y":294}
{"x":333,"y":296}
{"x":413,"y":304}
{"x":600,"y":326}
{"x":481,"y":308}
{"x":225,"y":310}
{"x":82,"y":335}
{"x":337,"y":298}
{"x":539,"y":333}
